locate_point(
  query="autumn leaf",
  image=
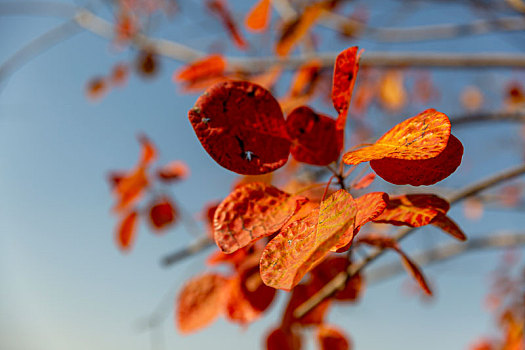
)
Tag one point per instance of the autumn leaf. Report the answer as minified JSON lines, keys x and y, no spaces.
{"x":212,"y":65}
{"x":364,"y":182}
{"x":283,"y":339}
{"x":162,"y":214}
{"x":449,"y":226}
{"x":130,"y":188}
{"x":413,"y":210}
{"x":148,"y":151}
{"x":96,"y":88}
{"x":219,"y":7}
{"x":385,"y":242}
{"x":421,"y":172}
{"x":200,"y":301}
{"x":315,"y":139}
{"x":251,"y":212}
{"x":303,"y":244}
{"x":259,"y":16}
{"x":331,"y":338}
{"x":242,"y":127}
{"x":421,"y":137}
{"x":392,"y":92}
{"x":173,"y":171}
{"x":345,"y":75}
{"x":126,"y":231}
{"x":369,"y":207}
{"x":295,"y":30}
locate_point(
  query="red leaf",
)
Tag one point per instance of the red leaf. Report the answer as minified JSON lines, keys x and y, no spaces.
{"x":303,"y":244}
{"x":421,"y":137}
{"x":364,"y":182}
{"x":315,"y":139}
{"x":345,"y":74}
{"x":449,"y":226}
{"x":421,"y":172}
{"x":283,"y":339}
{"x":259,"y":16}
{"x":369,"y":207}
{"x":413,"y":210}
{"x":416,"y":273}
{"x":241,"y":126}
{"x":126,"y":231}
{"x":162,"y":214}
{"x":332,"y":339}
{"x":251,"y":212}
{"x":173,"y":171}
{"x":212,"y":65}
{"x":200,"y":301}
{"x":219,"y":7}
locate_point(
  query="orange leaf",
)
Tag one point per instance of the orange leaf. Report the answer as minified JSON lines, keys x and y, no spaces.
{"x":149,"y":153}
{"x":421,"y":172}
{"x":305,"y":78}
{"x":369,"y":207}
{"x":345,"y":74}
{"x":315,"y":139}
{"x":200,"y":301}
{"x":421,"y":137}
{"x":259,"y":16}
{"x":392,"y":93}
{"x":413,"y":210}
{"x":126,"y":231}
{"x":295,"y":30}
{"x":130,"y":188}
{"x":251,"y":212}
{"x":331,"y":338}
{"x":303,"y":244}
{"x":173,"y":171}
{"x":449,"y":226}
{"x":162,"y":214}
{"x":212,"y":65}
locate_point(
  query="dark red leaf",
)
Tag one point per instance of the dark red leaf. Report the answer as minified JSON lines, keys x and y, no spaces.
{"x":283,"y":339}
{"x":345,"y":74}
{"x":331,"y":338}
{"x":162,"y":214}
{"x":242,"y":127}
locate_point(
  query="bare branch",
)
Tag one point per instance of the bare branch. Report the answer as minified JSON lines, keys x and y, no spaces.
{"x":503,"y":116}
{"x":340,"y":279}
{"x":188,"y":251}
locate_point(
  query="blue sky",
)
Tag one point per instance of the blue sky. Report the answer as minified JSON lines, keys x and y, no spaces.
{"x":63,"y":283}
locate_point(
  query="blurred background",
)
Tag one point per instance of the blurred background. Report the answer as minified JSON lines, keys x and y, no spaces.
{"x":64,"y":282}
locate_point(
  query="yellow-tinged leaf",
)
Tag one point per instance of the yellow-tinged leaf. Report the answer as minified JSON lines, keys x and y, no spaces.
{"x":413,"y":210}
{"x":421,"y":137}
{"x":303,"y":244}
{"x":258,"y":17}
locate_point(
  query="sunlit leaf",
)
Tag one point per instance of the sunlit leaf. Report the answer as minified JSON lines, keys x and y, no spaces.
{"x":449,"y":226}
{"x":421,"y":137}
{"x":413,"y":210}
{"x":369,"y":207}
{"x":250,"y":212}
{"x":126,"y":231}
{"x":331,"y":338}
{"x":303,"y":244}
{"x":421,"y":172}
{"x":345,"y":75}
{"x":259,"y":16}
{"x":200,"y":301}
{"x":315,"y":139}
{"x":173,"y":171}
{"x":295,"y":30}
{"x":212,"y":65}
{"x":241,"y":126}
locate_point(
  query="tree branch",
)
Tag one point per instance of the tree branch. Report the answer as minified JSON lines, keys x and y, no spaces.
{"x":503,"y":116}
{"x":340,"y":279}
{"x":185,"y":252}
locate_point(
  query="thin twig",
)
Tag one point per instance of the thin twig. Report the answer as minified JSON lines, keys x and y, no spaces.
{"x":503,"y":116}
{"x":340,"y":279}
{"x":185,"y":252}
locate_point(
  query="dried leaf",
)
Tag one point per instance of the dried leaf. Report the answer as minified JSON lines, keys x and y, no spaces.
{"x":315,"y":139}
{"x":449,"y":226}
{"x":421,"y":172}
{"x":241,"y":126}
{"x":200,"y":301}
{"x":303,"y":244}
{"x":413,"y":210}
{"x":331,"y":338}
{"x":294,"y":31}
{"x":345,"y":75}
{"x":126,"y":231}
{"x":251,"y":212}
{"x":421,"y":137}
{"x":259,"y":16}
